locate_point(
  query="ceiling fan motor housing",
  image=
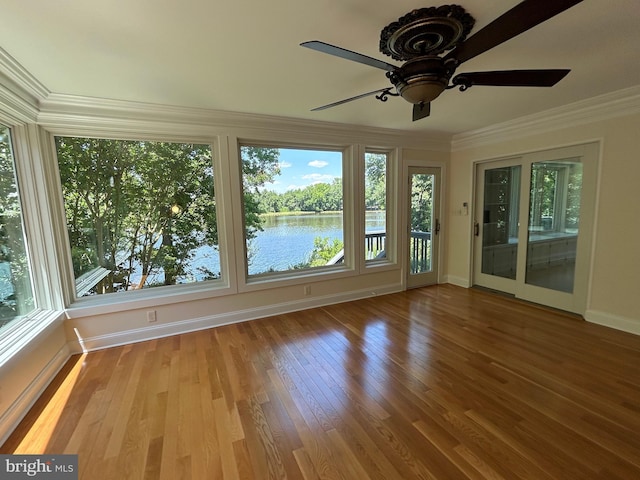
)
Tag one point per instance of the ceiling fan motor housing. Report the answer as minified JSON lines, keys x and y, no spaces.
{"x":421,"y":80}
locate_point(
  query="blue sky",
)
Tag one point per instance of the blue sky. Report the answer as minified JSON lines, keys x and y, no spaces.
{"x":301,"y":168}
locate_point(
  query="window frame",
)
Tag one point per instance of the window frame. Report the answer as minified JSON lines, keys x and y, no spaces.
{"x":225,"y":148}
{"x":393,"y":215}
{"x":390,"y":208}
{"x":78,"y":307}
{"x":257,"y":281}
{"x":21,"y":287}
{"x":32,"y":170}
{"x":93,"y":268}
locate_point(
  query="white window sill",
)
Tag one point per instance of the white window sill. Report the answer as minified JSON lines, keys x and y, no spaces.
{"x":19,"y":333}
{"x":152,"y":297}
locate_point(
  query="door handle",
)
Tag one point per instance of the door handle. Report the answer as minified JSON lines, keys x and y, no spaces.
{"x":437,"y":226}
{"x":476,"y":228}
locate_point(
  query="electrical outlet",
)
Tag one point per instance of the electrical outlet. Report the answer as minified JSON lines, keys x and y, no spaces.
{"x":307,"y":290}
{"x":151,"y":316}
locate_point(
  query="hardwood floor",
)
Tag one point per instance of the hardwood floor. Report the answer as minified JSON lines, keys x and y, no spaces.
{"x":435,"y":383}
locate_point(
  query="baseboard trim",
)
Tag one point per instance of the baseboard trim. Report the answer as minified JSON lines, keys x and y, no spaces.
{"x":618,"y":322}
{"x":99,"y":342}
{"x":21,"y":406}
{"x":458,"y":281}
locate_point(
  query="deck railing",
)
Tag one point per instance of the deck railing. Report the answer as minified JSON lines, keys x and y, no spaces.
{"x":420,"y":252}
{"x":375,"y":244}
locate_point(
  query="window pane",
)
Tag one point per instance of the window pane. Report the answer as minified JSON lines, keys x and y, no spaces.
{"x":554,"y":218}
{"x":420,"y":245}
{"x":16,"y":294}
{"x":375,"y":199}
{"x":544,"y":190}
{"x":292,"y":208}
{"x":139,"y":214}
{"x":500,"y":221}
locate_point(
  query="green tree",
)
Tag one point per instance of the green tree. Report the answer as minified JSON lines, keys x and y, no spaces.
{"x":421,"y":199}
{"x":270,"y":201}
{"x":95,"y":200}
{"x":15,"y":285}
{"x":259,"y":166}
{"x":324,"y":249}
{"x":319,"y":197}
{"x":137,"y":204}
{"x":176,"y":181}
{"x":375,"y":193}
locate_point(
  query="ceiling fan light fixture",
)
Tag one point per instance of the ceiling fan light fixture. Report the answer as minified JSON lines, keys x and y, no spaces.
{"x":421,"y":80}
{"x":421,"y":90}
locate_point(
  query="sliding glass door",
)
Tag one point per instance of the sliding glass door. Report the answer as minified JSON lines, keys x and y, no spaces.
{"x":554,"y":224}
{"x":497,"y":225}
{"x":533,"y":225}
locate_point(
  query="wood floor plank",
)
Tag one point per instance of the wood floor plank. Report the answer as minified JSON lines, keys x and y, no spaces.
{"x":436,"y":383}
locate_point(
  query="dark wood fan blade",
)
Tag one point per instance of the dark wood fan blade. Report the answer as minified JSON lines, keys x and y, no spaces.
{"x":346,"y":100}
{"x":511,"y":78}
{"x":348,"y":55}
{"x":421,"y":110}
{"x":520,"y":18}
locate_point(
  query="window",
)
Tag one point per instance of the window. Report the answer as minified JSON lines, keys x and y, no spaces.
{"x":293,"y":208}
{"x":554,"y":218}
{"x":16,"y":293}
{"x":139,"y":214}
{"x":555,"y":197}
{"x":375,"y":199}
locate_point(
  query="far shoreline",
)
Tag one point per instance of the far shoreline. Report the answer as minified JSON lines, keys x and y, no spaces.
{"x":303,"y":212}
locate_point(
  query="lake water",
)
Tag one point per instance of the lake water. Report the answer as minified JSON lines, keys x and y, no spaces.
{"x":287,"y":240}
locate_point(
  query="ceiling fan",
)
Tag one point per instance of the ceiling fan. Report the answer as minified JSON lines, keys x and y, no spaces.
{"x":419,"y":37}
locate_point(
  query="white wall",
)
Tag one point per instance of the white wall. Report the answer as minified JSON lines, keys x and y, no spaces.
{"x":25,"y":376}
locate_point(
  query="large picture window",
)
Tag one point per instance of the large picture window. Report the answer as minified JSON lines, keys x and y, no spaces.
{"x":293,"y":205}
{"x":139,"y":214}
{"x":16,"y":293}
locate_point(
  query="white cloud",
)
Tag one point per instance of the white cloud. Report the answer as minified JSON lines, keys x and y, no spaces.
{"x":318,"y":163}
{"x":285,"y":164}
{"x":318,"y":178}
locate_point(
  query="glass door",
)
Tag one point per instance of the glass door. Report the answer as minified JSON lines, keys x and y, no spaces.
{"x":497,"y":226}
{"x":554,"y":224}
{"x":533,"y":224}
{"x":424,"y":226}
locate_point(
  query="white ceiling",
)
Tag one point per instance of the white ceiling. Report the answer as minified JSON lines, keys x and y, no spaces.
{"x":244,"y":56}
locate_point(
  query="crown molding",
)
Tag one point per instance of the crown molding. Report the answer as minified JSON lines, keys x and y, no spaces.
{"x":20,"y":92}
{"x":69,"y":111}
{"x":15,"y":111}
{"x":603,"y":107}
